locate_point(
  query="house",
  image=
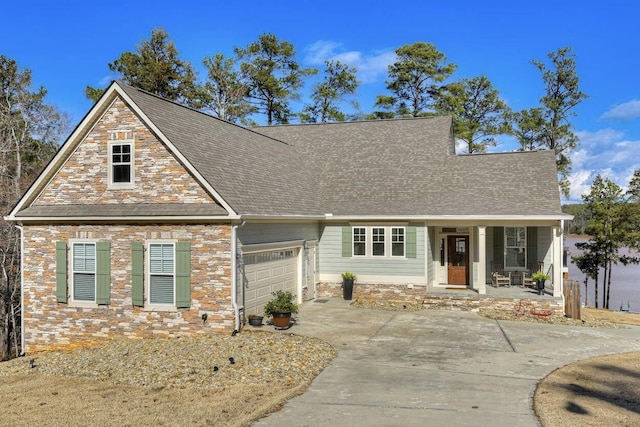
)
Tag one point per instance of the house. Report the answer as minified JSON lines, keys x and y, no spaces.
{"x":158,"y":220}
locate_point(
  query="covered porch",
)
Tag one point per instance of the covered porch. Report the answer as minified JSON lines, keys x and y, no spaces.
{"x":463,"y":254}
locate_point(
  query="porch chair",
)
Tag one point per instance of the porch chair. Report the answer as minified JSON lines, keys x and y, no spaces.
{"x":527,"y":281}
{"x":498,"y":275}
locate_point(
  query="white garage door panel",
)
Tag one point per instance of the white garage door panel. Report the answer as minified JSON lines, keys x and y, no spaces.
{"x":266,"y":272}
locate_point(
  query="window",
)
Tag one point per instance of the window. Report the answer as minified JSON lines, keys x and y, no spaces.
{"x":121,"y":159}
{"x":161,"y":273}
{"x":84,"y":272}
{"x":379,"y":241}
{"x":515,"y":247}
{"x":121,"y":163}
{"x":359,"y":241}
{"x":397,"y":241}
{"x":377,"y":237}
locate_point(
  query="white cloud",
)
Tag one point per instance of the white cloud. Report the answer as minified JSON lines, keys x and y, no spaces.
{"x":605,"y":152}
{"x":370,"y":66}
{"x":626,"y":111}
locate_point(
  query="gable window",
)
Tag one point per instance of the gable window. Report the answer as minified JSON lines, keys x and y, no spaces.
{"x":515,"y":247}
{"x":377,"y":237}
{"x":397,"y":241}
{"x":121,"y":163}
{"x":84,"y":272}
{"x":121,"y":159}
{"x":161,"y":273}
{"x":359,"y":241}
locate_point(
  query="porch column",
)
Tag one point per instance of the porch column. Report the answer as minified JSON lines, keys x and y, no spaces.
{"x":557,"y":261}
{"x":482,"y":260}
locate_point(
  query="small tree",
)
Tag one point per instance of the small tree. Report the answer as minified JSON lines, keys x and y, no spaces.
{"x":156,"y":68}
{"x":273,"y":76}
{"x":562,"y":95}
{"x":414,"y":79}
{"x":224,"y":93}
{"x":479,"y":115}
{"x":339,"y":82}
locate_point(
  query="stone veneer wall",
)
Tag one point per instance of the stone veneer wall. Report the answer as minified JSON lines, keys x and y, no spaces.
{"x":392,"y":294}
{"x":388,"y":292}
{"x":159,"y":176}
{"x":51,"y":325}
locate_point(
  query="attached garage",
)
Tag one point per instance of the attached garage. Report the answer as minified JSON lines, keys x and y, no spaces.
{"x":266,"y":272}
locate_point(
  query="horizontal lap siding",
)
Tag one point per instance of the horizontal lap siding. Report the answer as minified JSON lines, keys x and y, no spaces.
{"x":331,"y":260}
{"x":253,"y":233}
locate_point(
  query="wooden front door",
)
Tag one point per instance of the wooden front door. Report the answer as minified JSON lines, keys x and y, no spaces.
{"x":458,"y":260}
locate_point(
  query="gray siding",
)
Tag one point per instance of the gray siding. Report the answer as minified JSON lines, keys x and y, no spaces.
{"x":545,"y":250}
{"x":331,"y":260}
{"x":252,"y":233}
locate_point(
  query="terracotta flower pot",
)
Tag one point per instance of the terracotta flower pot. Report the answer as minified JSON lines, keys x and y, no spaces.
{"x":281,"y":320}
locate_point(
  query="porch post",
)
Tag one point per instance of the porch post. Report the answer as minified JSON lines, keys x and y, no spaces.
{"x":482,"y":259}
{"x":557,"y":261}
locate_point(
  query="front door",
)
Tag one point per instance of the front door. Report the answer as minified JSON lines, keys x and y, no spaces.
{"x":458,"y":260}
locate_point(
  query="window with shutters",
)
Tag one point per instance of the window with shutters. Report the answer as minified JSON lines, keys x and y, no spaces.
{"x":515,"y":247}
{"x":162,"y":269}
{"x":83,"y":271}
{"x":381,"y":242}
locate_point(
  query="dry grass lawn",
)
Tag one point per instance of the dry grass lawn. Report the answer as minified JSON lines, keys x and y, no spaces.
{"x":601,"y":391}
{"x":38,"y":400}
{"x":594,"y":392}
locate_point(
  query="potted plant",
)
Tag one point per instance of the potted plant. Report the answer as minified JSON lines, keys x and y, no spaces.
{"x":348,"y":278}
{"x":281,"y":307}
{"x":255,"y":320}
{"x":540,"y":278}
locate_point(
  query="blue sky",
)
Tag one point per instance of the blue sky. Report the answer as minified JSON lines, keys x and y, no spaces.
{"x":68,"y":44}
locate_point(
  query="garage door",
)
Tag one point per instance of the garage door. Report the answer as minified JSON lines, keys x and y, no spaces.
{"x":266,"y":272}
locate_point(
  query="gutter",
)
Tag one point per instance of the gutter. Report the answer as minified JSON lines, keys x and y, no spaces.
{"x":234,"y":275}
{"x":22,"y":336}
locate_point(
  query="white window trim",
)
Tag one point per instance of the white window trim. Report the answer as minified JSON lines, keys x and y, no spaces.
{"x":147,"y":266}
{"x":387,"y":242}
{"x":121,"y":185}
{"x":506,"y":247}
{"x":71,"y":264}
{"x":353,"y":242}
{"x":404,"y":242}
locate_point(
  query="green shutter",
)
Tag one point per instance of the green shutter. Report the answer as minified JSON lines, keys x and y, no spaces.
{"x":103,"y":272}
{"x":498,"y":244}
{"x":411,"y":242}
{"x":346,"y":241}
{"x":532,"y":246}
{"x":137,"y":274}
{"x":183,"y":275}
{"x":61,"y":272}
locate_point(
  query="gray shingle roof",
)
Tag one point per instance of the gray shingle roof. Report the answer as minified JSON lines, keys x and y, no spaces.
{"x":404,"y":167}
{"x":253,"y":173}
{"x":407,"y":168}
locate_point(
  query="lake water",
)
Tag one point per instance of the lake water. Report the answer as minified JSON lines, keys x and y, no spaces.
{"x":625,"y":281}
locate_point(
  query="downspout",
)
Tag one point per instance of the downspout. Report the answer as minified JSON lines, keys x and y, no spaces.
{"x":234,"y":274}
{"x":22,"y":337}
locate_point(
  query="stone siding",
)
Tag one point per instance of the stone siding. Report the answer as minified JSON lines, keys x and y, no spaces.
{"x":379,"y":294}
{"x":158,"y":176}
{"x":390,"y":292}
{"x":51,"y":325}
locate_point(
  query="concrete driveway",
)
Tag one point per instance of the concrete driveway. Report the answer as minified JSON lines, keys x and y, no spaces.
{"x":434,"y":368}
